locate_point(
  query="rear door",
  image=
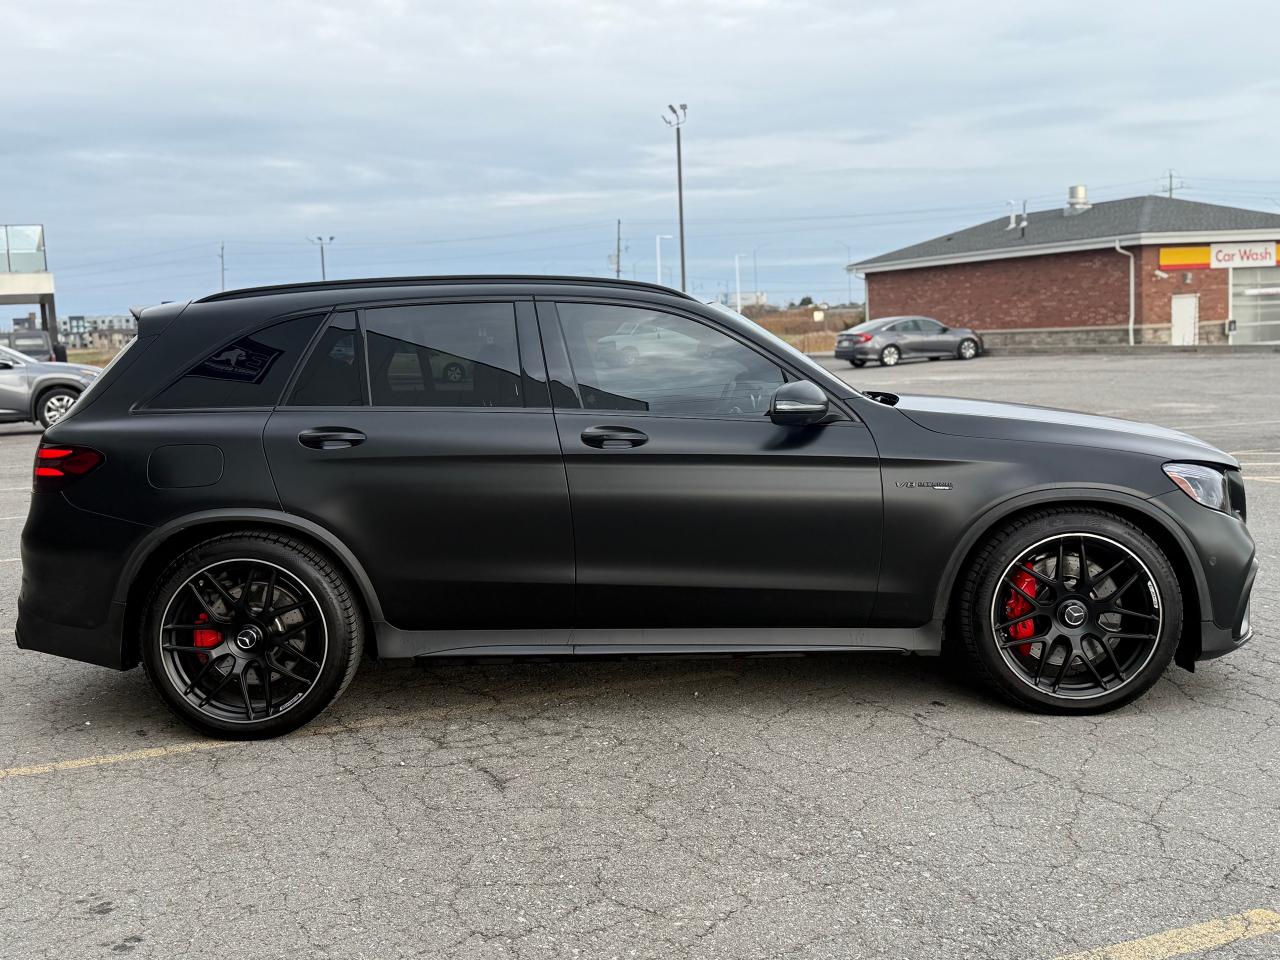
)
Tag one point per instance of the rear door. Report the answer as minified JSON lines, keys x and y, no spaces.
{"x":15,"y":399}
{"x":690,"y":507}
{"x":422,"y":436}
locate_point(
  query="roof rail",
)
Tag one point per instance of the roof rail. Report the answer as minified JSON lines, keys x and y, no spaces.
{"x":413,"y":281}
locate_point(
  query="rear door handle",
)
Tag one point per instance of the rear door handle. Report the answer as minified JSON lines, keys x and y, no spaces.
{"x":605,"y":438}
{"x":330,"y":438}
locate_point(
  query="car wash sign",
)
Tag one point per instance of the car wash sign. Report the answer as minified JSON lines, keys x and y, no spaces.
{"x":1219,"y":256}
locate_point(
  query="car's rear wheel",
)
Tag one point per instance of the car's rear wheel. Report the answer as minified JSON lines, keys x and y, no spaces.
{"x":858,"y":363}
{"x":54,"y":404}
{"x":251,"y":635}
{"x":1070,"y":611}
{"x":968,"y":349}
{"x":890,"y":356}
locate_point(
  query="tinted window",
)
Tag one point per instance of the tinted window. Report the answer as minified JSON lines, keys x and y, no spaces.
{"x":334,"y":373}
{"x":925,"y":325}
{"x":249,"y":372}
{"x":905,"y":326}
{"x":444,"y":355}
{"x":627,"y":358}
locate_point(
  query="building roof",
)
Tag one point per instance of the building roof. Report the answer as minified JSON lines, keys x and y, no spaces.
{"x":1150,"y":219}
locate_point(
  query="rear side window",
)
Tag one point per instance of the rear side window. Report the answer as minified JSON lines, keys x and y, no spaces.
{"x":334,"y":373}
{"x":444,"y":355}
{"x":248,"y":372}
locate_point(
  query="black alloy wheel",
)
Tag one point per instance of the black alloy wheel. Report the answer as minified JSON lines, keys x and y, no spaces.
{"x":251,"y":636}
{"x":1073,"y":617}
{"x":890,"y":356}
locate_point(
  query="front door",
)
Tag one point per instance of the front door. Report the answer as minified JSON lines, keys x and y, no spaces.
{"x":1185,"y":309}
{"x":15,"y":400}
{"x":690,"y":507}
{"x":440,"y":468}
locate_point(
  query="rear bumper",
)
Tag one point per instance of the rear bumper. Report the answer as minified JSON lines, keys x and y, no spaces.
{"x":71,"y":562}
{"x":856,"y":351}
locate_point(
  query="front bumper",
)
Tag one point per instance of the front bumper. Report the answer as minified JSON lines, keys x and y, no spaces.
{"x":1228,"y":564}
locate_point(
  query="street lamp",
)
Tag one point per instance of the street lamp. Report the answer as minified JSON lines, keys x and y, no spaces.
{"x":737,"y":280}
{"x":322,"y":242}
{"x":848,"y":253}
{"x":676,"y":121}
{"x":657,"y":246}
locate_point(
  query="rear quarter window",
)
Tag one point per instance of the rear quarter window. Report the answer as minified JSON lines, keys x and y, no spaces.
{"x":250,"y":371}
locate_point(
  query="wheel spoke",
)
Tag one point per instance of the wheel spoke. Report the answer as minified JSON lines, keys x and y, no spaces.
{"x":1067,"y":659}
{"x":244,"y":691}
{"x":200,"y":676}
{"x":222,"y":683}
{"x":1093,"y":670}
{"x":1102,"y":577}
{"x":180,"y":648}
{"x":286,"y":672}
{"x":1009,"y":644}
{"x":204,"y":604}
{"x":1086,"y":581}
{"x":1044,"y":658}
{"x":1022,"y":593}
{"x":269,"y":591}
{"x":1006,"y":625}
{"x":1115,"y":594}
{"x":273,"y":613}
{"x":227,"y":598}
{"x":264,"y":673}
{"x":1060,"y":572}
{"x":1111,"y":654}
{"x":297,"y":628}
{"x":1133,"y":613}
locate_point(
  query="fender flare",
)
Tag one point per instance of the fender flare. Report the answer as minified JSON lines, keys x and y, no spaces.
{"x":1052,"y":496}
{"x":161,"y":535}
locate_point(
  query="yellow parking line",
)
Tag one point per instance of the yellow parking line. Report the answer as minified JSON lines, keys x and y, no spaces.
{"x":429,"y":713}
{"x":1193,"y":939}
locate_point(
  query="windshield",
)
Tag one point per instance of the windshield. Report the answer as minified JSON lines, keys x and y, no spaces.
{"x":802,"y":359}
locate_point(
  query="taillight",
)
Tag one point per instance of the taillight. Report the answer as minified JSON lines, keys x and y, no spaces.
{"x":864,"y":337}
{"x":57,"y":464}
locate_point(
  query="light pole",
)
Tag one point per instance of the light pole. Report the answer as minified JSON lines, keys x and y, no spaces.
{"x":322,"y":243}
{"x":737,"y":280}
{"x":848,"y":253}
{"x":676,"y":120}
{"x":657,"y":246}
{"x":755,"y":272}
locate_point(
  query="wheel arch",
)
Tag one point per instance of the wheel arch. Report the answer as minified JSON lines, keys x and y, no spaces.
{"x":164,"y":543}
{"x":1147,"y":517}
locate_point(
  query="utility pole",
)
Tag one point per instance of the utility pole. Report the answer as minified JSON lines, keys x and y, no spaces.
{"x":848,"y":252}
{"x":755,"y":272}
{"x":737,"y":280}
{"x":657,"y":251}
{"x":677,"y":120}
{"x":1170,"y":187}
{"x":322,"y":243}
{"x":617,"y":255}
{"x":222,"y":263}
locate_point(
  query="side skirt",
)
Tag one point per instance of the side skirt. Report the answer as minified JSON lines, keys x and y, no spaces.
{"x":394,"y":643}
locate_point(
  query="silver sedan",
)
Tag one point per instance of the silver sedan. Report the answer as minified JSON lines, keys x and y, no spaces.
{"x":891,"y":340}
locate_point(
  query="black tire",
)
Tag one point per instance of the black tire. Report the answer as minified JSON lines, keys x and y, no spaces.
{"x":454,"y":372}
{"x":858,"y":363}
{"x":54,"y":404}
{"x":999,"y":661}
{"x":331,"y":639}
{"x":890,"y":356}
{"x":967,"y":349}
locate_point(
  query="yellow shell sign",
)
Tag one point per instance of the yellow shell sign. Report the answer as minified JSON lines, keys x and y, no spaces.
{"x":1218,"y":256}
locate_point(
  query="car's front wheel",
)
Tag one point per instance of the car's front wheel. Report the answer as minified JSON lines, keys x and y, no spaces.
{"x":858,"y":363}
{"x":968,"y":349}
{"x":53,"y":406}
{"x":890,"y":356}
{"x":1070,"y":611}
{"x":251,"y":635}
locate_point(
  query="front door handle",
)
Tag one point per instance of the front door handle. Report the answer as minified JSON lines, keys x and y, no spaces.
{"x":606,"y":438}
{"x":330,"y":438}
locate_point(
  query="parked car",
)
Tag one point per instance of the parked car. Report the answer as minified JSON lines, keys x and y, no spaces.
{"x":891,"y":340}
{"x":260,"y":498}
{"x":39,"y":391}
{"x":32,"y":343}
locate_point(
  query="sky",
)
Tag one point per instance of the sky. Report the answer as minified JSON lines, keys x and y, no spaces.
{"x":509,"y":137}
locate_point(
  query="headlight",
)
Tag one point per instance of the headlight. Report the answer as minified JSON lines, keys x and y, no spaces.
{"x":1202,"y":484}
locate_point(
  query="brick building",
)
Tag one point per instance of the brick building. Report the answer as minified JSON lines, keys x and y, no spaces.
{"x":1141,"y":270}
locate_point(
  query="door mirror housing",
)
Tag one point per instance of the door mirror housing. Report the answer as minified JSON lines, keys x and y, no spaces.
{"x":798,"y":403}
{"x":6,"y":364}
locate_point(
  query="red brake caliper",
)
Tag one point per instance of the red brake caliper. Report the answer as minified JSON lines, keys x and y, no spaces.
{"x":1017,"y":606}
{"x":205,"y":637}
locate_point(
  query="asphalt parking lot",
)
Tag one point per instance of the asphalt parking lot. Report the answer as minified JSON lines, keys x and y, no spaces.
{"x":820,"y":807}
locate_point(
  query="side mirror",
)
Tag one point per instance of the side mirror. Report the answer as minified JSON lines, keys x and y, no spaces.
{"x":798,"y":403}
{"x":6,"y":364}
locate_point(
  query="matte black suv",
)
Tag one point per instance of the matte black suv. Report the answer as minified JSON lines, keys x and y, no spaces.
{"x":270,"y":484}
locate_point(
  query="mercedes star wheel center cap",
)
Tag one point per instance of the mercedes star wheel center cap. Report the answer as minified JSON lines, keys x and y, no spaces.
{"x":1074,"y":613}
{"x":248,"y":638}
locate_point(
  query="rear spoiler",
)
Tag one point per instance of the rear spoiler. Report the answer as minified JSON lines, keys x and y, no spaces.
{"x":153,"y":320}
